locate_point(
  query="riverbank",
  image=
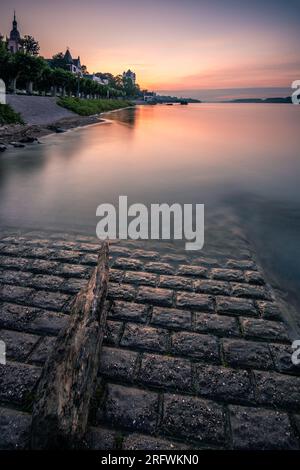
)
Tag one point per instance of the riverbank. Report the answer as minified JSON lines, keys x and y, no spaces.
{"x":43,"y":116}
{"x":18,"y":132}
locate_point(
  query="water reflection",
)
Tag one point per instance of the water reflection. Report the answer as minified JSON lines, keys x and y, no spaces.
{"x":245,"y":156}
{"x":125,"y":116}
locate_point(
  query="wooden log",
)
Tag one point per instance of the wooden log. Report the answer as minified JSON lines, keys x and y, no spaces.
{"x":66,"y":386}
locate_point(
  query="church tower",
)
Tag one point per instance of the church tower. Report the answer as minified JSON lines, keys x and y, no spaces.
{"x":14,"y":37}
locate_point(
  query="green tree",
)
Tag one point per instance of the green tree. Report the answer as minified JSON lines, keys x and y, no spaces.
{"x":86,"y":86}
{"x":118,"y":82}
{"x":129,"y":87}
{"x":4,"y":61}
{"x":45,"y":81}
{"x":28,"y":68}
{"x":29,"y":45}
{"x":61,"y":79}
{"x":72,"y":84}
{"x":95,"y":89}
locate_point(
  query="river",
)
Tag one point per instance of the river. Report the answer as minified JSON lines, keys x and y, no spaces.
{"x":242,"y":157}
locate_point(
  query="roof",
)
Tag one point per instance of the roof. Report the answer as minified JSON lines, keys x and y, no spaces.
{"x":68,"y":57}
{"x":76,"y":62}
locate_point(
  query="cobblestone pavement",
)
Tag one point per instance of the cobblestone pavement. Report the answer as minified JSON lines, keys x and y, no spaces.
{"x":196,"y":353}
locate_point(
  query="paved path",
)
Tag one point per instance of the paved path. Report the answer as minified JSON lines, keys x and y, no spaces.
{"x":38,"y":110}
{"x":196,"y":352}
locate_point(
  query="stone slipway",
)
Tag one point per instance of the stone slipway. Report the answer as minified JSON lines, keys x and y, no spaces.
{"x":38,"y":110}
{"x":196,"y":352}
{"x":42,"y":116}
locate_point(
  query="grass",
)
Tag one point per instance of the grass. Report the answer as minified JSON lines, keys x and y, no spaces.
{"x":9,"y":116}
{"x":85,"y":107}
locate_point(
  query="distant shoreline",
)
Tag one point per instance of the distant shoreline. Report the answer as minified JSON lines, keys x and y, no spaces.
{"x":275,"y":100}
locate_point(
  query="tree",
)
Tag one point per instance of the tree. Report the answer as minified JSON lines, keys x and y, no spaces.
{"x":28,"y":68}
{"x":4,"y":61}
{"x":72,"y":84}
{"x":3,"y":45}
{"x":84,"y":69}
{"x":86,"y":86}
{"x":95,"y":89}
{"x":63,"y":79}
{"x":45,"y":81}
{"x":129,"y":87}
{"x":118,"y":82}
{"x":29,"y":45}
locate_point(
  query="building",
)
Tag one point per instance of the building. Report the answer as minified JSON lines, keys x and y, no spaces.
{"x":92,"y":76}
{"x":130,"y":75}
{"x":150,"y":96}
{"x":14,"y":40}
{"x":73,"y":65}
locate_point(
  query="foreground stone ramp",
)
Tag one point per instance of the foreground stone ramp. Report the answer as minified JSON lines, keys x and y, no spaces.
{"x":196,"y":351}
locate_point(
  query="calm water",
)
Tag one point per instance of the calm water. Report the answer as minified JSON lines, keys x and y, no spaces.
{"x":245,"y":157}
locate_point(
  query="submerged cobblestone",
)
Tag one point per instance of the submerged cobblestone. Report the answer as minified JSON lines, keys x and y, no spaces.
{"x":196,"y":351}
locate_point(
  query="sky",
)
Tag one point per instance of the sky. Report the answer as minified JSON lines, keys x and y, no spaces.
{"x":209,"y":49}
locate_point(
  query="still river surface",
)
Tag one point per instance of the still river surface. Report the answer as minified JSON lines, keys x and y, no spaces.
{"x":242,"y":157}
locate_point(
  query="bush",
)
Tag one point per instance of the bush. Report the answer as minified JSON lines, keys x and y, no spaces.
{"x":9,"y":116}
{"x":85,"y":107}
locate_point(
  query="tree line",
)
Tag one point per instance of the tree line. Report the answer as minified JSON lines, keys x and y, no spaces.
{"x":25,"y":69}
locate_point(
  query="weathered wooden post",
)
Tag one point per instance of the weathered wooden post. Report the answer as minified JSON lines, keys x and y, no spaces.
{"x":60,"y":413}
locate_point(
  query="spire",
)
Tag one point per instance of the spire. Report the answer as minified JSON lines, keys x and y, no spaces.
{"x":15,"y":24}
{"x":14,"y":34}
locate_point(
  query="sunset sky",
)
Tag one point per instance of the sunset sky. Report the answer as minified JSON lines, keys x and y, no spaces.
{"x":211,"y":49}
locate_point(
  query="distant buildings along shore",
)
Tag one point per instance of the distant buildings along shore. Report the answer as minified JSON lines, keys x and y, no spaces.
{"x":14,"y":44}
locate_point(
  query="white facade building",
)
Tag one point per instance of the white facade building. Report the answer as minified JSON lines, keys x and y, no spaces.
{"x":101,"y":81}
